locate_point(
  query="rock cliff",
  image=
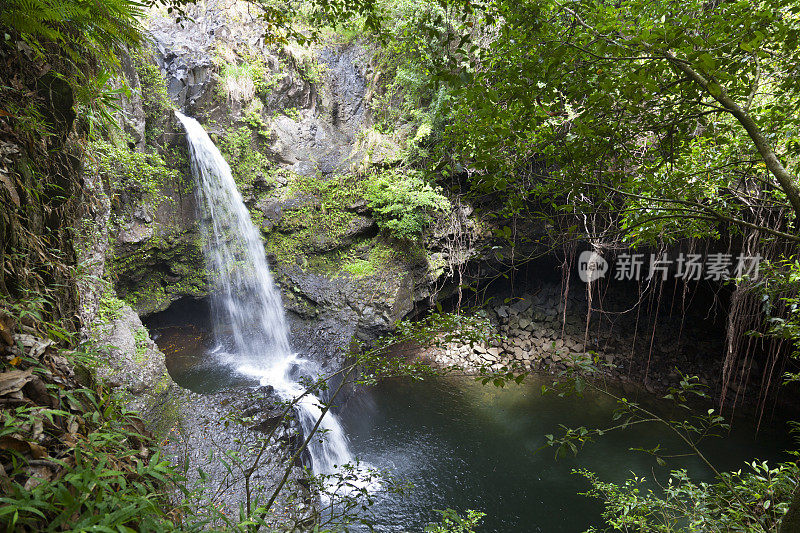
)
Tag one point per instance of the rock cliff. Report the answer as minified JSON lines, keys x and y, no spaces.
{"x":294,"y":124}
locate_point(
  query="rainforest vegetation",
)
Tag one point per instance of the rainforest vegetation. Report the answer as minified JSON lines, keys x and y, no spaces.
{"x":500,"y":135}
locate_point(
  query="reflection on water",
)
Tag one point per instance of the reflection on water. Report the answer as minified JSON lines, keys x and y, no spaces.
{"x":470,"y":446}
{"x":189,"y":358}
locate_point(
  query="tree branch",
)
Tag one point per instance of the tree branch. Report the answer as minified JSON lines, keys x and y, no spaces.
{"x":787,"y":182}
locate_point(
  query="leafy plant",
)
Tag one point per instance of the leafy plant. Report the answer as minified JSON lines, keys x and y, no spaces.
{"x":73,"y":457}
{"x":237,"y":145}
{"x":754,"y":500}
{"x":83,"y":30}
{"x":403,"y":203}
{"x":98,"y":100}
{"x":452,"y":522}
{"x":133,"y":172}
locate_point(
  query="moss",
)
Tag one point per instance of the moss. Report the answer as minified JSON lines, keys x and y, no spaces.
{"x":110,"y":306}
{"x":381,"y":254}
{"x":143,"y":176}
{"x":155,"y":99}
{"x":306,"y":61}
{"x":141,"y":337}
{"x":164,"y":408}
{"x":242,"y":153}
{"x":315,"y":234}
{"x":359,"y":268}
{"x":436,"y":265}
{"x":148,"y":297}
{"x":154,"y":273}
{"x":315,"y":228}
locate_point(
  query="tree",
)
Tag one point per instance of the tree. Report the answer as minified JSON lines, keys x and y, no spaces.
{"x":665,"y":119}
{"x":638,"y":122}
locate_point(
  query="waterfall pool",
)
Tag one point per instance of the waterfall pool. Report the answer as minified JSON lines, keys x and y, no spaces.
{"x":464,"y":445}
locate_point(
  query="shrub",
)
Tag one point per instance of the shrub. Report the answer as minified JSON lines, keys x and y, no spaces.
{"x":141,"y":173}
{"x":452,"y":522}
{"x":74,"y":458}
{"x":404,"y":203}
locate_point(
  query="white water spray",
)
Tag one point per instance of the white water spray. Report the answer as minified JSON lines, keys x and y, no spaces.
{"x":247,"y":307}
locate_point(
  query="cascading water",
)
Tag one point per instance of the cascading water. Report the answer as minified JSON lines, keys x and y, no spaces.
{"x":248,"y":314}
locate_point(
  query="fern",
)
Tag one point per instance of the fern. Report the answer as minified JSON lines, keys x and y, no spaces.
{"x":82,"y":40}
{"x":86,"y":30}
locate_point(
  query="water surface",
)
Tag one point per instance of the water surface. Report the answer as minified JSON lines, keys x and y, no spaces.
{"x":465,"y":445}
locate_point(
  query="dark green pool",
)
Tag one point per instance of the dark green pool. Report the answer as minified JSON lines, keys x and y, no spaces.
{"x":465,"y":445}
{"x":470,"y":446}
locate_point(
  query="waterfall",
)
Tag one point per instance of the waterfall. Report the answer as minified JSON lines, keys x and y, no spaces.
{"x":249,"y":323}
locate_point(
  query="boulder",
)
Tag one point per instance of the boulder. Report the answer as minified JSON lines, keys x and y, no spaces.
{"x":521,"y":305}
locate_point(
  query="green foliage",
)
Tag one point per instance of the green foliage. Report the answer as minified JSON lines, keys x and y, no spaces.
{"x":753,"y":500}
{"x":244,"y":76}
{"x":255,"y":121}
{"x":780,"y":284}
{"x":623,"y":110}
{"x":313,"y":71}
{"x":403,"y":203}
{"x":291,"y":112}
{"x":106,"y":486}
{"x":80,"y":41}
{"x":110,"y":305}
{"x":411,"y":97}
{"x":97,"y":100}
{"x":298,"y":22}
{"x":779,"y":288}
{"x":85,"y":31}
{"x":141,"y":338}
{"x":155,"y":100}
{"x":90,"y":470}
{"x":142,"y":174}
{"x":452,"y":522}
{"x":359,"y":268}
{"x":36,"y":309}
{"x":238,"y":147}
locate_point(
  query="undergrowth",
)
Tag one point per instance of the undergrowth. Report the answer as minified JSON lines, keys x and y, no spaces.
{"x":73,"y":458}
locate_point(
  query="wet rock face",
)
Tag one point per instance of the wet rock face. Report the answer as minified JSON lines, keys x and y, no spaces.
{"x":322,"y":138}
{"x":134,"y":364}
{"x":309,"y":118}
{"x":158,"y":255}
{"x":132,"y":118}
{"x":187,"y":83}
{"x":345,"y":93}
{"x":240,"y":424}
{"x":184,"y":55}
